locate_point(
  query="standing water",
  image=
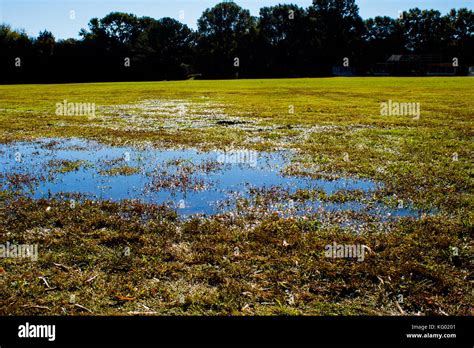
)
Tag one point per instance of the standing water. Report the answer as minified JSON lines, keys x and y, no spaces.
{"x":188,"y":180}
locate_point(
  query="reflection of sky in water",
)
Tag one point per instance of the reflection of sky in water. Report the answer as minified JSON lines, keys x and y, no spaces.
{"x":240,"y":170}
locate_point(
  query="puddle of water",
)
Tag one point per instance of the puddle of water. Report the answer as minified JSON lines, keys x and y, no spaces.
{"x":193,"y":182}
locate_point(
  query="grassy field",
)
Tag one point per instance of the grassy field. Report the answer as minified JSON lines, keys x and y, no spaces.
{"x":421,"y":266}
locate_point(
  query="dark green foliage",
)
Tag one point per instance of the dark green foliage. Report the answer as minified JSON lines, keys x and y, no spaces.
{"x":284,"y":41}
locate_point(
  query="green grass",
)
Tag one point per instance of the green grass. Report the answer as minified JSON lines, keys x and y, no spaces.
{"x":414,"y":157}
{"x":124,"y":170}
{"x":65,"y":166}
{"x":189,"y":267}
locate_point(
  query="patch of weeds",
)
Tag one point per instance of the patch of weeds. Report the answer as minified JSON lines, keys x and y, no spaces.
{"x":65,"y":166}
{"x":122,"y":170}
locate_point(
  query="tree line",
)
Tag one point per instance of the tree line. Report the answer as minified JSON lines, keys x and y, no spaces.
{"x":283,"y":41}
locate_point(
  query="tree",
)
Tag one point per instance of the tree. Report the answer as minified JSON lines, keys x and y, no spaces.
{"x":286,"y":40}
{"x":383,"y":37}
{"x":461,"y":36}
{"x":45,"y":43}
{"x":337,"y":29}
{"x":164,"y":46}
{"x":117,"y":29}
{"x":109,"y":45}
{"x":16,"y":55}
{"x":226,"y":37}
{"x":282,"y":40}
{"x":425,"y":31}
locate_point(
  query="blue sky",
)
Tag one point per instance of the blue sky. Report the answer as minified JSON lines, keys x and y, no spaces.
{"x":55,"y":15}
